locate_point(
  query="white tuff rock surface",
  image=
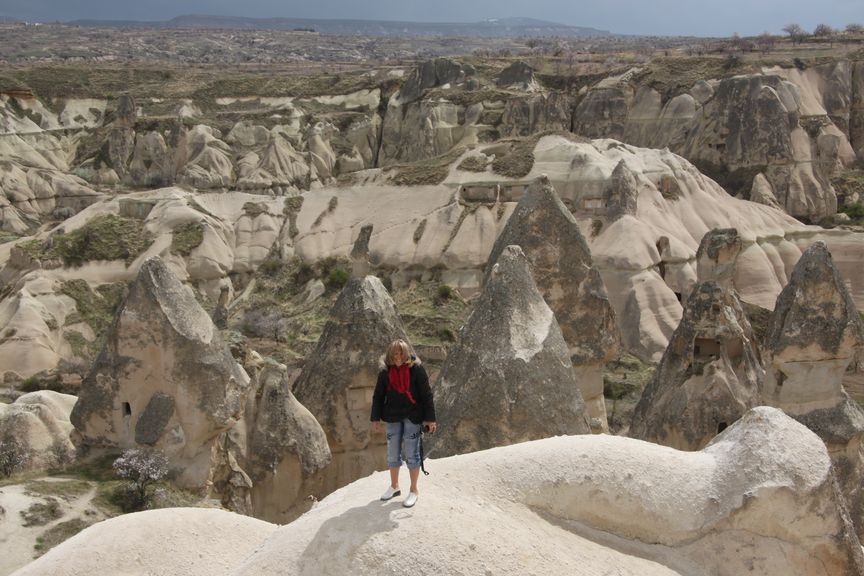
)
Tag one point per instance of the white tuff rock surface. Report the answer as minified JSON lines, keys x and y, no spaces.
{"x":39,"y":423}
{"x":757,"y":500}
{"x":187,"y":541}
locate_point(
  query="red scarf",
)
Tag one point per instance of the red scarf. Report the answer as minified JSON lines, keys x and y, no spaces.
{"x":400,"y":380}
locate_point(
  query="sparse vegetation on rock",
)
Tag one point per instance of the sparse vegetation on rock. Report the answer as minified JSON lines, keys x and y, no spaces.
{"x":186,"y":238}
{"x":474,"y":163}
{"x":105,"y":237}
{"x":425,"y":172}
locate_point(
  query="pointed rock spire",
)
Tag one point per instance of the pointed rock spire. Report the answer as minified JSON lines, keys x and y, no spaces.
{"x":286,"y":447}
{"x":815,"y":318}
{"x":509,"y":378}
{"x":165,"y":377}
{"x":716,"y":257}
{"x":339,"y":377}
{"x":561,"y":265}
{"x":814,"y":334}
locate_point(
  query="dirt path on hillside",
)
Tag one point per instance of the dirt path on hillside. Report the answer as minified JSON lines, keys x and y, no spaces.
{"x":17,"y":540}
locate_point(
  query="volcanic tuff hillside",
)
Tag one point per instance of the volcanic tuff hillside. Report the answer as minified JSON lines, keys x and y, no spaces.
{"x":298,"y":172}
{"x":262,"y":195}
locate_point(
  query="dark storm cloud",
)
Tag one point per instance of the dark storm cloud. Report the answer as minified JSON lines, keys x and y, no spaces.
{"x":667,"y":17}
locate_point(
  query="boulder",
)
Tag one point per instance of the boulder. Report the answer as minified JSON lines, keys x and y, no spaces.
{"x":34,"y":431}
{"x":165,"y":378}
{"x":339,"y":377}
{"x":561,"y":265}
{"x":509,"y":378}
{"x":709,"y":376}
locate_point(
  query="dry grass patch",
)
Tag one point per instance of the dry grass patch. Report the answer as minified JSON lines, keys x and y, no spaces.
{"x":474,"y":163}
{"x":425,"y":172}
{"x":61,"y":488}
{"x":58,"y":534}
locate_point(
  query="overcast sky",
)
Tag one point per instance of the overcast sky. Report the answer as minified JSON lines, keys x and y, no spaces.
{"x":661,"y":17}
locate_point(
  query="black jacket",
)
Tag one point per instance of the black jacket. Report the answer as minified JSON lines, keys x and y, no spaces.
{"x":390,"y":406}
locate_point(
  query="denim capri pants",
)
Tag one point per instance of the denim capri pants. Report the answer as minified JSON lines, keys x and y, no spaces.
{"x":403,"y":434}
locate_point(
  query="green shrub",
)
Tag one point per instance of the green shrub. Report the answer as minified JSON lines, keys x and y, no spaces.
{"x":62,"y":488}
{"x":443,"y":294}
{"x":518,"y":162}
{"x":855,"y":211}
{"x":446,"y":335}
{"x":96,"y":308}
{"x":474,"y":163}
{"x":293,"y":204}
{"x":337,"y":278}
{"x":59,"y":534}
{"x":271,"y":267}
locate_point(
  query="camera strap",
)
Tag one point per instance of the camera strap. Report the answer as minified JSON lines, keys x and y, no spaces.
{"x":422,"y":456}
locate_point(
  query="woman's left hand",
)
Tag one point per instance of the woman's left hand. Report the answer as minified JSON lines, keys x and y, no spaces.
{"x":430,"y":427}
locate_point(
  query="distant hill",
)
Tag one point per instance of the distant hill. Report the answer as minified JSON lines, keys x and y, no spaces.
{"x":492,"y":28}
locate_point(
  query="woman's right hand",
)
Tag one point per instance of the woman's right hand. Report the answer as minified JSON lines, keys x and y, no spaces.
{"x":376,"y":426}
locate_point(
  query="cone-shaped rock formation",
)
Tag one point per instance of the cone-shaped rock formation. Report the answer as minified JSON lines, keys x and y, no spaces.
{"x":509,"y":378}
{"x":710,"y":374}
{"x":562,"y":268}
{"x":339,"y":378}
{"x":165,"y":378}
{"x":268,"y":464}
{"x":813,"y":336}
{"x":716,"y":257}
{"x":622,"y":194}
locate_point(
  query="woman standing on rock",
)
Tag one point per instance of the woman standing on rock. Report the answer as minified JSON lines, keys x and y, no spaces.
{"x":403,"y":400}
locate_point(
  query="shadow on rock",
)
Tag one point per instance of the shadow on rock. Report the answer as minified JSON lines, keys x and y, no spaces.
{"x":332,"y":549}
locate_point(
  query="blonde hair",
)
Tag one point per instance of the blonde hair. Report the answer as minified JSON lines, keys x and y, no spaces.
{"x":401,"y":345}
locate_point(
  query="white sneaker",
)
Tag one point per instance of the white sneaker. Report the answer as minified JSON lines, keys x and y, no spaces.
{"x":410,"y":500}
{"x":390,"y":493}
